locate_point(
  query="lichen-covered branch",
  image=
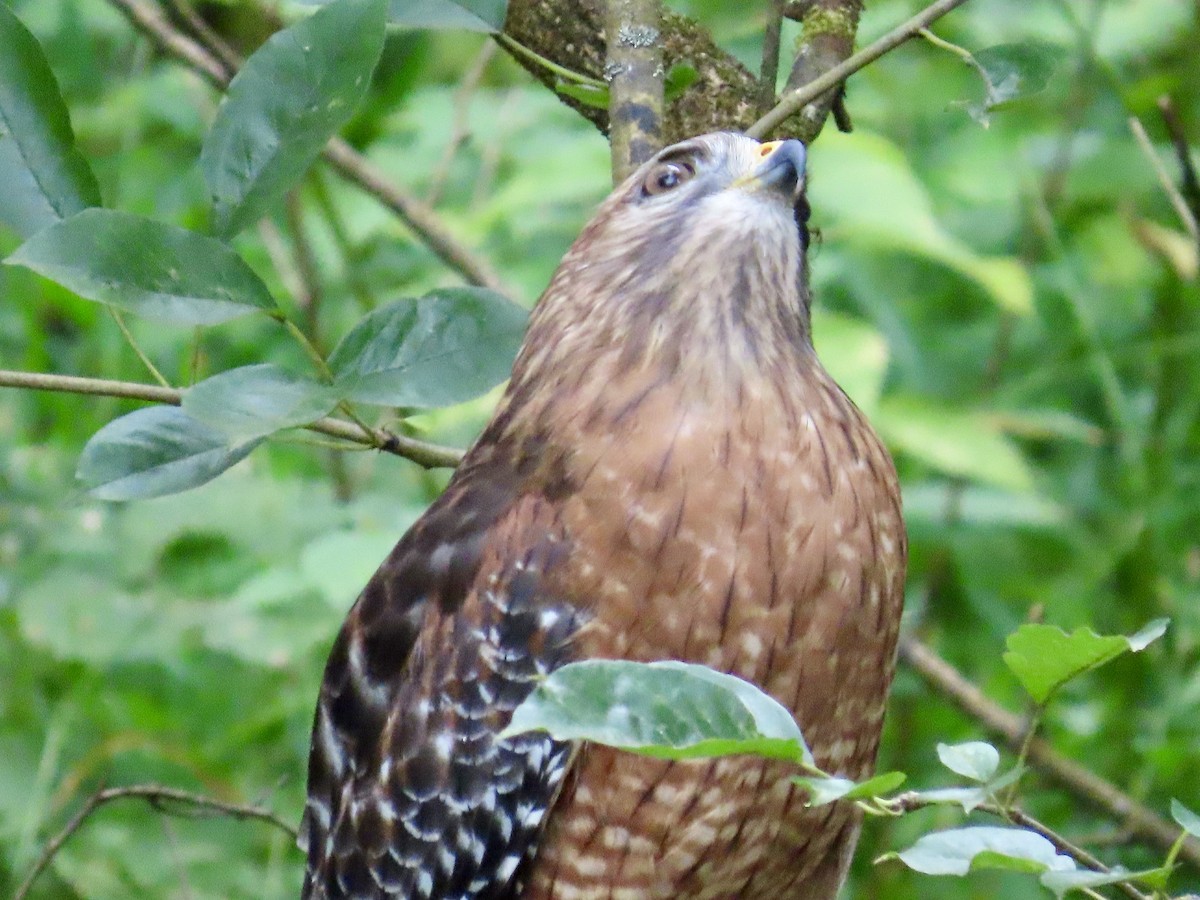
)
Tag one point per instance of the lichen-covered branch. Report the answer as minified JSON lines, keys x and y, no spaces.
{"x":794,"y":101}
{"x":827,"y":41}
{"x":571,"y":33}
{"x":634,"y":71}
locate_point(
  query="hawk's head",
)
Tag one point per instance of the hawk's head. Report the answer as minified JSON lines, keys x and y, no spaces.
{"x":696,"y":256}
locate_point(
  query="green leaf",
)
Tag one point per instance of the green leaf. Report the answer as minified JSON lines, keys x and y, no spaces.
{"x":289,"y":98}
{"x":958,"y":442}
{"x":825,"y":790}
{"x":977,"y":760}
{"x":870,"y":193}
{"x":254,"y":401}
{"x":43,"y":177}
{"x":962,"y":850}
{"x":1012,"y":72}
{"x":154,"y":451}
{"x":593,"y":95}
{"x":1044,"y":657}
{"x":1063,"y":881}
{"x":1188,"y":820}
{"x":461,"y":15}
{"x":670,"y":710}
{"x":449,"y":346}
{"x":856,"y":355}
{"x":147,"y":267}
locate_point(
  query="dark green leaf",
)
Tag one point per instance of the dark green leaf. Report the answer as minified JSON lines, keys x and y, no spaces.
{"x":154,"y":451}
{"x":593,"y":95}
{"x":289,"y":98}
{"x":825,"y":790}
{"x":1044,"y":657}
{"x":146,"y":267}
{"x":43,"y":178}
{"x":670,"y":710}
{"x":976,"y":760}
{"x":254,"y":401}
{"x":961,"y":850}
{"x":449,"y":346}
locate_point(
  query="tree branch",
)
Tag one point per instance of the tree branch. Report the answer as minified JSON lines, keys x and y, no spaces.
{"x":1190,"y":187}
{"x":768,"y":70}
{"x":156,"y":796}
{"x":419,"y":217}
{"x":827,"y":41}
{"x":634,"y":70}
{"x":423,"y":453}
{"x":1164,"y":179}
{"x":571,"y":33}
{"x":1084,"y":784}
{"x":795,"y":101}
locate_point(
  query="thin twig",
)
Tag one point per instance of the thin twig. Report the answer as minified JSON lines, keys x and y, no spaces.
{"x":1081,"y":782}
{"x":423,"y":453}
{"x":800,"y":97}
{"x":513,"y":45}
{"x":422,"y":220}
{"x":1164,"y":178}
{"x":208,"y":38}
{"x":132,"y":342}
{"x":1191,"y":183}
{"x":156,"y":795}
{"x":768,"y":71}
{"x":633,"y":67}
{"x":305,"y":258}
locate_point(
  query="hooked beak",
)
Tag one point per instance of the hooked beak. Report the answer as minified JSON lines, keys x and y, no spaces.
{"x":781,"y":169}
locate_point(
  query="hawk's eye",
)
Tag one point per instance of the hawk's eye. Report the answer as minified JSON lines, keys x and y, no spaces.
{"x":666,"y":176}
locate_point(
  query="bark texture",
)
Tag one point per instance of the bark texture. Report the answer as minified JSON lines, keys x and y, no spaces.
{"x":724,"y":96}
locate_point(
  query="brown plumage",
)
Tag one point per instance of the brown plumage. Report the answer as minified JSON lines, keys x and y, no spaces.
{"x":670,"y":475}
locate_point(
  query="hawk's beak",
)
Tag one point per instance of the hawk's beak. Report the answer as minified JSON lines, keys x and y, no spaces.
{"x":781,"y":169}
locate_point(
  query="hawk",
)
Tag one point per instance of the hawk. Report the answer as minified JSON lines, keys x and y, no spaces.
{"x":671,"y":474}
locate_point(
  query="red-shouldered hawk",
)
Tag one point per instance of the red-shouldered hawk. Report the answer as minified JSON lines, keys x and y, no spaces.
{"x":670,"y":475}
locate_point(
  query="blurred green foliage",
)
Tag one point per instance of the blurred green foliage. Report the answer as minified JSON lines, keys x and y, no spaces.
{"x":1015,"y":306}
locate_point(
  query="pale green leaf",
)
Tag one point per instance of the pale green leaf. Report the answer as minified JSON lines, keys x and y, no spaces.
{"x":1062,"y":882}
{"x":958,"y":442}
{"x":854,"y":353}
{"x":962,"y":850}
{"x":976,"y":760}
{"x":870,"y":194}
{"x":670,"y":710}
{"x":826,"y":790}
{"x":1188,"y":820}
